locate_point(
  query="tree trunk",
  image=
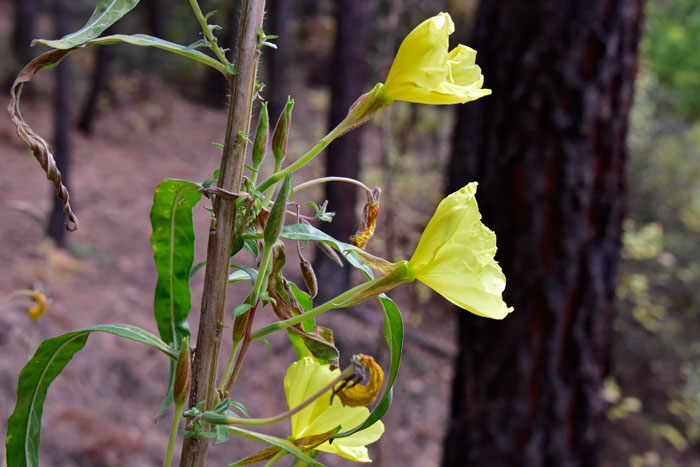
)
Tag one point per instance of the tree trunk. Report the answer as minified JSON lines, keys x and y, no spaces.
{"x":23,"y":31}
{"x":98,"y":83}
{"x":56,"y":224}
{"x":279,"y":61}
{"x":548,"y":151}
{"x":343,"y":155}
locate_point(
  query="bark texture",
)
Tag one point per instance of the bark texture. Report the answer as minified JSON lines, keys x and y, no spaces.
{"x":548,"y":151}
{"x":343,"y":155}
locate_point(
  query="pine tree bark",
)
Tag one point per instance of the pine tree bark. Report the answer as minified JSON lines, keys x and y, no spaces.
{"x":548,"y":151}
{"x":343,"y":155}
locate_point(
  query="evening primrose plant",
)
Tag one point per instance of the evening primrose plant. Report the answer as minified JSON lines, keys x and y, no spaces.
{"x":328,"y":395}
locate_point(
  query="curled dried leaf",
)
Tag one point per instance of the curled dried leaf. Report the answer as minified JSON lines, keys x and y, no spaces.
{"x":40,"y":148}
{"x":369,"y":220}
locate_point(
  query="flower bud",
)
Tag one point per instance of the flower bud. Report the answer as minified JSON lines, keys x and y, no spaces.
{"x":281,"y":134}
{"x":181,"y":386}
{"x":261,"y":137}
{"x":275,"y":221}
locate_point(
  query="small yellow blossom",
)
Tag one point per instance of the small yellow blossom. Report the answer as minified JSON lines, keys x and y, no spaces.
{"x":425,"y":72}
{"x":304,"y":379}
{"x":38,"y":310}
{"x":455,"y":257}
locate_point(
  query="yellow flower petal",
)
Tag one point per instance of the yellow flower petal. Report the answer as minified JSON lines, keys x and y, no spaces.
{"x":426,"y":73}
{"x":455,"y":257}
{"x":305,"y":378}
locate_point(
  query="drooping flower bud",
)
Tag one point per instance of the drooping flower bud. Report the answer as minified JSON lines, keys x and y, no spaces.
{"x":307,"y":272}
{"x":361,"y":389}
{"x":275,"y":221}
{"x":181,"y":386}
{"x":261,"y":137}
{"x":281,"y":134}
{"x":38,"y":310}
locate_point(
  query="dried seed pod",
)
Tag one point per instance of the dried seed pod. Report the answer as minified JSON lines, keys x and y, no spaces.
{"x":307,"y":272}
{"x":330,"y":252}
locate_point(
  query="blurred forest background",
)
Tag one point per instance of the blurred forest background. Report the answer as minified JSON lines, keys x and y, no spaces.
{"x":550,"y":388}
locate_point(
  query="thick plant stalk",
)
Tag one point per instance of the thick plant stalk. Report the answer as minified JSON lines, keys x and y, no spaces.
{"x":194,"y":451}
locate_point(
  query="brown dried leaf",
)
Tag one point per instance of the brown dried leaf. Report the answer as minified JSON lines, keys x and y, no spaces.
{"x":40,"y":148}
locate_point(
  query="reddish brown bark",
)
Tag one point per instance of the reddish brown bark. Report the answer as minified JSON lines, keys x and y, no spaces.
{"x":548,"y":151}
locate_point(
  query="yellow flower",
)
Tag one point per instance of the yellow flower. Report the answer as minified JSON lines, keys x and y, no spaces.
{"x":455,"y":255}
{"x":304,"y":379}
{"x":425,"y":72}
{"x":38,"y":310}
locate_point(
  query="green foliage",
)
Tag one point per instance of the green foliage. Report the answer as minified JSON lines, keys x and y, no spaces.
{"x":106,"y":14}
{"x":393,"y":333}
{"x":670,"y":47}
{"x":24,"y":425}
{"x":173,"y":253}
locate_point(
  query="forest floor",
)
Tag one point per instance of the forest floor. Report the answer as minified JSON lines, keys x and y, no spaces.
{"x":100,"y":411}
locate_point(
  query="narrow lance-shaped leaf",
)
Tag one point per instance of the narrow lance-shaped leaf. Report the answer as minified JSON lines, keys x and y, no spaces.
{"x":393,"y":332}
{"x":305,"y":232}
{"x":173,"y":253}
{"x":275,"y":441}
{"x":24,"y":425}
{"x":107,"y":12}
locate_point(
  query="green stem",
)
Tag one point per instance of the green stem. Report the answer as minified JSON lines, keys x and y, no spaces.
{"x":229,"y":420}
{"x":173,"y":435}
{"x":213,"y":45}
{"x":229,"y":367}
{"x":332,"y":304}
{"x":303,"y":160}
{"x":277,"y":457}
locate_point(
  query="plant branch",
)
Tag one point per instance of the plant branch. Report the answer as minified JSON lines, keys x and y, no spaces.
{"x":242,"y":84}
{"x":213,"y":44}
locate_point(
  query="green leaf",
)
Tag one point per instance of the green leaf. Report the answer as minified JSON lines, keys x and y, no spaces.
{"x":238,"y":276}
{"x":393,"y":332}
{"x":145,"y":40}
{"x":309,"y":233}
{"x":222,"y":434}
{"x":24,"y":425}
{"x":275,"y":441}
{"x":240,"y":309}
{"x":173,"y":253}
{"x":197,"y":267}
{"x":106,"y":14}
{"x":304,"y":300}
{"x":241,"y":408}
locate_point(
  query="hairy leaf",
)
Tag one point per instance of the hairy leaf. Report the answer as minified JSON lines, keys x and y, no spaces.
{"x":24,"y":425}
{"x":106,"y":14}
{"x":145,"y":40}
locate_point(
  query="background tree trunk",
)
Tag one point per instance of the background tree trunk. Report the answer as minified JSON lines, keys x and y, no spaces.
{"x":548,"y":149}
{"x":62,"y":116}
{"x":23,"y":31}
{"x":343,"y":155}
{"x":279,"y":60}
